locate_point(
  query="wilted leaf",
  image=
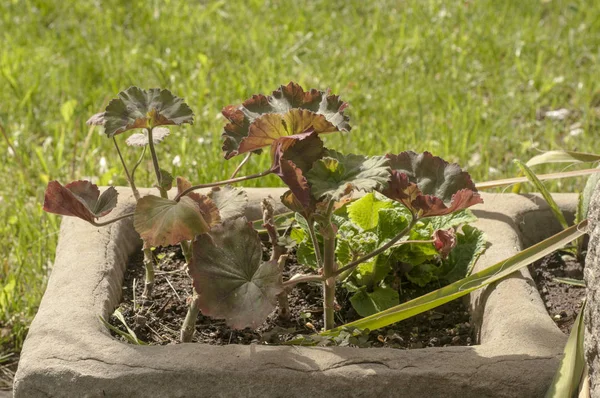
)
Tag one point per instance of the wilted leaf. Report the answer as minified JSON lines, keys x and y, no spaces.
{"x":337,"y":175}
{"x":137,"y":108}
{"x":141,"y":139}
{"x":230,"y":277}
{"x":368,"y":303}
{"x":182,"y":185}
{"x":280,"y":102}
{"x":296,"y":181}
{"x":444,"y":241}
{"x":162,"y":222}
{"x":230,"y":201}
{"x":96,"y":120}
{"x":303,"y":151}
{"x":79,"y":199}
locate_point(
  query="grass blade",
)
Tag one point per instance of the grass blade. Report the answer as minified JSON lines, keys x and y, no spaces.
{"x":542,"y":189}
{"x":570,"y":371}
{"x":571,"y":281}
{"x":563,"y":157}
{"x":463,"y":286}
{"x":130,"y":336}
{"x":542,"y":177}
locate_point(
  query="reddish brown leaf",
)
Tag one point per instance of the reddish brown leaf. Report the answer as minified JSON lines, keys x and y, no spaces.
{"x":79,"y":199}
{"x":444,"y":241}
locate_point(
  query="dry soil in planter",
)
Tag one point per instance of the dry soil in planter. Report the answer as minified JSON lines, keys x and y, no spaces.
{"x":448,"y":325}
{"x":562,"y":301}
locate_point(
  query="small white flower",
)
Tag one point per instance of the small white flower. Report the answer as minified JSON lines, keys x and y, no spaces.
{"x":177,"y":161}
{"x":102,"y":165}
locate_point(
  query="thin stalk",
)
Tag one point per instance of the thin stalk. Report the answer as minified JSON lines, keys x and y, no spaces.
{"x":224,"y":182}
{"x":329,"y":276}
{"x":376,"y":252}
{"x":242,"y":163}
{"x":405,"y":242}
{"x":136,"y":165}
{"x":149,"y":276}
{"x":282,"y":298}
{"x":299,"y":278}
{"x":189,"y":324}
{"x":315,"y":242}
{"x":15,"y":153}
{"x":102,"y":224}
{"x":163,"y":193}
{"x":129,"y":176}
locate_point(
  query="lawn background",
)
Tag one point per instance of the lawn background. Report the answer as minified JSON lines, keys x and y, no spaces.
{"x":466,"y":80}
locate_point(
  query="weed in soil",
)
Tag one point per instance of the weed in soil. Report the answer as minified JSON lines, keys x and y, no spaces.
{"x":447,"y":325}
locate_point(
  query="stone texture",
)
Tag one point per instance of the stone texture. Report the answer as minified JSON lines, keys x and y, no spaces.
{"x":68,"y":352}
{"x":592,"y":308}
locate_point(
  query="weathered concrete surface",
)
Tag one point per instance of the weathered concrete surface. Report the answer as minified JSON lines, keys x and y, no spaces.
{"x":592,"y":308}
{"x":68,"y":352}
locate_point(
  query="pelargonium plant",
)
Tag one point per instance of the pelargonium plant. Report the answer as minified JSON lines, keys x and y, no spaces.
{"x":411,"y":204}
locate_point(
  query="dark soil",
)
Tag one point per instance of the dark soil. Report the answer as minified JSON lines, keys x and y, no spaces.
{"x":563,"y":301}
{"x":161,"y":321}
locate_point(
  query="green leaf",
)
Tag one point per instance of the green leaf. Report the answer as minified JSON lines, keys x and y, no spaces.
{"x":570,"y":281}
{"x":570,"y":371}
{"x":452,"y":220}
{"x":230,"y":201}
{"x":471,"y":244}
{"x":423,"y":274}
{"x":166,"y":180}
{"x":392,"y":222}
{"x":542,"y":189}
{"x":305,"y":253}
{"x":368,"y":303}
{"x":416,"y":253}
{"x":562,"y":157}
{"x":232,"y":281}
{"x":337,"y":175}
{"x":465,"y":286}
{"x":364,"y":212}
{"x":137,"y":108}
{"x":162,"y":222}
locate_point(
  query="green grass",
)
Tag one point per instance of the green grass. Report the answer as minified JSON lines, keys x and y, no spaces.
{"x":462,"y":79}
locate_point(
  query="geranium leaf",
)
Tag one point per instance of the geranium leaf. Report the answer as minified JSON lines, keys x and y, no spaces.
{"x":298,"y":184}
{"x":303,"y":151}
{"x":162,"y":222}
{"x":79,"y":199}
{"x":96,"y":120}
{"x":368,"y":303}
{"x":471,"y":244}
{"x":286,"y":98}
{"x":141,"y":139}
{"x":337,"y":175}
{"x":271,"y":128}
{"x":364,"y":212}
{"x":137,"y":108}
{"x":166,"y":180}
{"x":230,"y":201}
{"x":455,"y":219}
{"x":230,"y":277}
{"x":182,"y":184}
{"x":432,"y":174}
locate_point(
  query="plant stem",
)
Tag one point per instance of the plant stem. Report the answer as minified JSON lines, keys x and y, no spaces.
{"x":134,"y":168}
{"x":163,"y":193}
{"x":299,"y":278}
{"x":189,"y":324}
{"x":149,"y":278}
{"x":136,"y":194}
{"x":282,"y":298}
{"x":329,"y":277}
{"x":380,"y":250}
{"x":242,"y":163}
{"x":315,"y":242}
{"x":224,"y":182}
{"x":104,"y":223}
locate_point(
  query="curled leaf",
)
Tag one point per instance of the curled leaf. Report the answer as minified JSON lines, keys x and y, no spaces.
{"x":444,"y":241}
{"x":141,"y":139}
{"x":232,"y":281}
{"x":162,"y":222}
{"x":308,"y":108}
{"x":428,"y":185}
{"x":79,"y":199}
{"x":337,"y":175}
{"x":137,"y":108}
{"x":96,"y":120}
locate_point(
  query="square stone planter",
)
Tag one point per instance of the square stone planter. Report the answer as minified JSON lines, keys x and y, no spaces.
{"x":69,"y":353}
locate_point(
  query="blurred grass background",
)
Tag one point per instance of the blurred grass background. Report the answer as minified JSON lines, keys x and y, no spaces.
{"x":467,"y":80}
